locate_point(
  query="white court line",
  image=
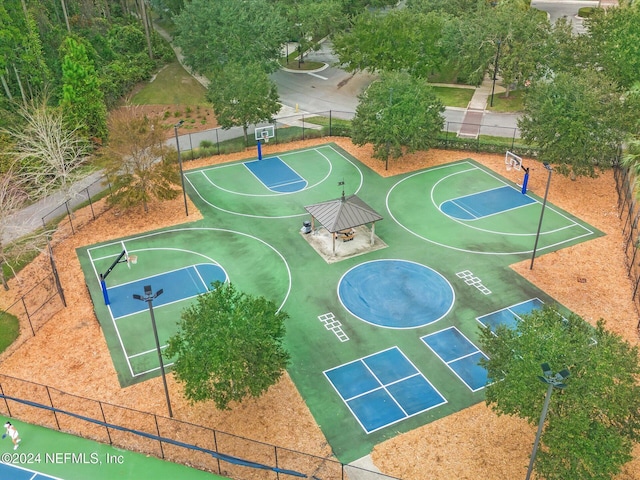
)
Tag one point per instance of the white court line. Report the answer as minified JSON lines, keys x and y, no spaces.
{"x":317,"y":76}
{"x":465,"y":250}
{"x":317,"y":150}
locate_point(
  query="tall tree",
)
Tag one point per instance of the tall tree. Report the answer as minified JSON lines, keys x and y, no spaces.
{"x":229,"y":346}
{"x":47,"y":152}
{"x":82,"y":99}
{"x":576,"y":122}
{"x":214,"y":34}
{"x":592,"y":424}
{"x":243,"y":95}
{"x":135,"y":163}
{"x":615,"y":35}
{"x":397,"y":41}
{"x":397,"y":113}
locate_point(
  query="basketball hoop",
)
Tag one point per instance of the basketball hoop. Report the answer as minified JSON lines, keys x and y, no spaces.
{"x":265,"y":136}
{"x":509,"y":166}
{"x":132,"y":260}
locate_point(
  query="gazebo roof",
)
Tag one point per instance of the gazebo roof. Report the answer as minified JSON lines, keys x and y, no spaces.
{"x":343,"y":213}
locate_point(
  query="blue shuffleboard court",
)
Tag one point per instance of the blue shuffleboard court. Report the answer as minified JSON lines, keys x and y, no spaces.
{"x":383,"y":389}
{"x":276,"y":175}
{"x":460,"y":355}
{"x":185,"y":283}
{"x":484,"y":204}
{"x":16,"y":472}
{"x":509,"y":316}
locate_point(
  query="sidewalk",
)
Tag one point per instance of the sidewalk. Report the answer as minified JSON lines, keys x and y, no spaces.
{"x":29,"y":219}
{"x":474,"y":114}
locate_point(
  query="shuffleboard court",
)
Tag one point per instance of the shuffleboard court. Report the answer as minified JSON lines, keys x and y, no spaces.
{"x":460,"y":355}
{"x":383,"y":389}
{"x":511,"y":315}
{"x":276,"y":175}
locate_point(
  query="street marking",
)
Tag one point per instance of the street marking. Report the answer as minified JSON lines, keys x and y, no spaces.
{"x":317,"y":76}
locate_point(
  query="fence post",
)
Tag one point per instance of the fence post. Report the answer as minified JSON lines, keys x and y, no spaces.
{"x":90,"y":203}
{"x":446,"y":138}
{"x":215,"y":444}
{"x":330,"y":132}
{"x":513,"y":138}
{"x":56,"y":277}
{"x":5,"y":401}
{"x":55,"y":415}
{"x":218,"y":141}
{"x":155,"y":419}
{"x":275,"y":453}
{"x":191,"y":146}
{"x":104,"y":419}
{"x":66,"y":205}
{"x":26,"y":311}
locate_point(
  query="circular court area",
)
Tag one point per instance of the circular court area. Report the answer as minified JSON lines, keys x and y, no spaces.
{"x":395,"y":293}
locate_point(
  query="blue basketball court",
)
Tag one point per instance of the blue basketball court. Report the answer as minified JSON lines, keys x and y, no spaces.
{"x":383,"y":389}
{"x":460,"y":355}
{"x":484,"y":204}
{"x":185,"y":283}
{"x":509,"y":316}
{"x":276,"y":175}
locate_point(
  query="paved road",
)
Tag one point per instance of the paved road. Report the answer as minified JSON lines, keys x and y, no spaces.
{"x":336,"y":90}
{"x":566,"y":8}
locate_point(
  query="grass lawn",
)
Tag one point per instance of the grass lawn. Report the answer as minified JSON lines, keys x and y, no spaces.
{"x":454,"y":97}
{"x":172,"y":86}
{"x":9,"y":330}
{"x":510,"y":104}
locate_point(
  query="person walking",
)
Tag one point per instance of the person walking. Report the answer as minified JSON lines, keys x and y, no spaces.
{"x":13,"y":434}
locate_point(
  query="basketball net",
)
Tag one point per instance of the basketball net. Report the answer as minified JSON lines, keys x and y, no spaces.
{"x":265,"y":136}
{"x":131,"y":260}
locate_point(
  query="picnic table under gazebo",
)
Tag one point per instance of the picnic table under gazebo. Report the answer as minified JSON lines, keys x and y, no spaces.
{"x":341,"y":216}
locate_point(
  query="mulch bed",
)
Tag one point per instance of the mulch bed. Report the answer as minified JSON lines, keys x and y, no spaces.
{"x":69,"y":352}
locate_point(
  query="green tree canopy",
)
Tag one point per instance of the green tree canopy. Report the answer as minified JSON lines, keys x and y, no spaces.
{"x":577,"y":122}
{"x":395,"y":113}
{"x":215,"y":34}
{"x":593,"y":423}
{"x":229,"y":346}
{"x":396,"y":41}
{"x":82,"y":99}
{"x":615,"y":34}
{"x":243,"y":95}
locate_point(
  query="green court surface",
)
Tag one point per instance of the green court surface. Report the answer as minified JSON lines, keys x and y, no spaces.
{"x":44,"y":454}
{"x":252,"y":233}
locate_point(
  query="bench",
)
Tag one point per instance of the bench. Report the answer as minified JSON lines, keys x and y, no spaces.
{"x":346,"y":235}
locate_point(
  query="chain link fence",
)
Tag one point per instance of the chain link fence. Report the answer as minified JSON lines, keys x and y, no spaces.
{"x":629,"y":213}
{"x":333,"y":123}
{"x":167,"y":438}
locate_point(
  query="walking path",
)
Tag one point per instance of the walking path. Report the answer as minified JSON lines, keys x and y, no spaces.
{"x":474,"y":114}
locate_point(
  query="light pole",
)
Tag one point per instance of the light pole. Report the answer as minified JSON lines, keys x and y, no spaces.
{"x":553,"y":381}
{"x":495,"y":73}
{"x":148,"y":297}
{"x":544,"y":204}
{"x":184,"y":193}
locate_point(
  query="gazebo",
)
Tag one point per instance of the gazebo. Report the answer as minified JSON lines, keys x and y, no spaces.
{"x":341,"y":216}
